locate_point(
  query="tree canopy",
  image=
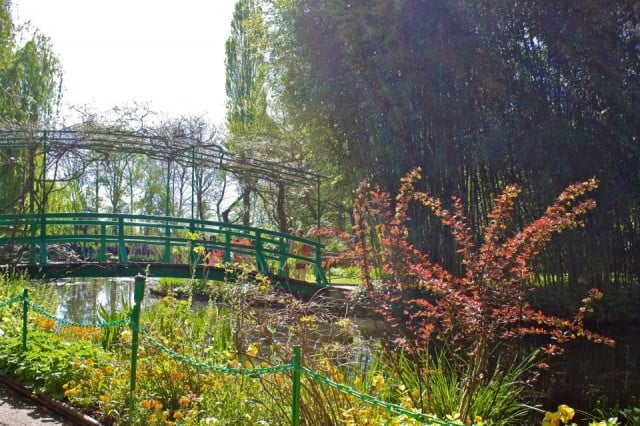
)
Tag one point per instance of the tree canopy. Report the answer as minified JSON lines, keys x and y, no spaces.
{"x":29,"y":72}
{"x":29,"y":77}
{"x":254,"y":128}
{"x":478,"y":94}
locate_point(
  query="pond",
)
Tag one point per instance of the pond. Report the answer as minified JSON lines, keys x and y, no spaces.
{"x":79,"y":300}
{"x":586,"y":373}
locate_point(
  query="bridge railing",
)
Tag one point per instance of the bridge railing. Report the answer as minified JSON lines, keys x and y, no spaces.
{"x":124,"y":238}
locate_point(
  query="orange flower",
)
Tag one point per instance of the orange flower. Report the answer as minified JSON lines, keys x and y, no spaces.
{"x":183,"y":401}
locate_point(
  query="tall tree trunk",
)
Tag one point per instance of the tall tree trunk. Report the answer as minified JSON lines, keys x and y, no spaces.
{"x":281,"y":214}
{"x":246,"y":207}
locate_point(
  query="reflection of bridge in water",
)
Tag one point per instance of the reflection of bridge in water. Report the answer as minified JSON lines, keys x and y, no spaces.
{"x":55,"y":245}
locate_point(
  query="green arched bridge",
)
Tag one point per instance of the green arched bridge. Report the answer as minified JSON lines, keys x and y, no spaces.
{"x":54,"y":245}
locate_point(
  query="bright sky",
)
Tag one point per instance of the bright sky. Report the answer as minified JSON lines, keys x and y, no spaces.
{"x":168,"y":54}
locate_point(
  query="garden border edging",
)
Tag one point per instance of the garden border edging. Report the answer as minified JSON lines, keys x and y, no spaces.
{"x":57,"y":407}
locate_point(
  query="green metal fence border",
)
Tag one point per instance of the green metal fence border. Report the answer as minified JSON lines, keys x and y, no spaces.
{"x":295,"y":366}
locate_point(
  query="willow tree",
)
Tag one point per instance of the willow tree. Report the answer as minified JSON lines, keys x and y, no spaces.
{"x":29,"y":77}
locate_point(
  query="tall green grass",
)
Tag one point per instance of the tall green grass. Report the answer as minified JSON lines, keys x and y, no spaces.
{"x":436,"y":379}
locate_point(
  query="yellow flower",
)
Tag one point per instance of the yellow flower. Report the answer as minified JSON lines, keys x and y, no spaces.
{"x":45,"y":323}
{"x":377,"y":381}
{"x":551,"y":419}
{"x":125,"y":335}
{"x":453,"y":417}
{"x":566,"y":413}
{"x":252,"y":350}
{"x":343,"y":323}
{"x":146,"y":404}
{"x":309,"y":319}
{"x":71,"y":392}
{"x":406,"y":401}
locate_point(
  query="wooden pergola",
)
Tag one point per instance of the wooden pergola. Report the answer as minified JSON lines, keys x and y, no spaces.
{"x":89,"y":146}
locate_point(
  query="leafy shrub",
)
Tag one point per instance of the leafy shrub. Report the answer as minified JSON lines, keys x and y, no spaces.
{"x":49,"y":363}
{"x":468,"y":312}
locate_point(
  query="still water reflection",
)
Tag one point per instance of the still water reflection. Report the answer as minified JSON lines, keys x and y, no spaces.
{"x":79,"y":300}
{"x":590,"y":374}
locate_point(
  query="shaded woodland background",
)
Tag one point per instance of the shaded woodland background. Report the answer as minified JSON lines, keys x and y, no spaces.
{"x":479,"y":94}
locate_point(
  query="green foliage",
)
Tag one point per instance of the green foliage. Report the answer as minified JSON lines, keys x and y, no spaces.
{"x":239,"y":332}
{"x":477,"y":93}
{"x":48,"y":364}
{"x":246,"y":71}
{"x":231,"y":335}
{"x":29,"y":73}
{"x":629,"y":415}
{"x":30,"y":76}
{"x":436,"y":380}
{"x":168,"y":283}
{"x":345,"y":272}
{"x":109,"y":335}
{"x":256,"y":130}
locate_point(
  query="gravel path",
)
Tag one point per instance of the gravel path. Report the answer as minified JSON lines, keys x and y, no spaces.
{"x":16,"y":410}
